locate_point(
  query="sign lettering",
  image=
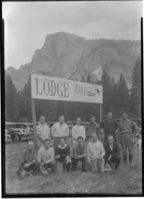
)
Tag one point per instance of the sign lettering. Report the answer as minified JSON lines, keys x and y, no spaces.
{"x":45,"y":87}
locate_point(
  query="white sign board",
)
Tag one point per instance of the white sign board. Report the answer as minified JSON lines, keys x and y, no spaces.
{"x":51,"y":88}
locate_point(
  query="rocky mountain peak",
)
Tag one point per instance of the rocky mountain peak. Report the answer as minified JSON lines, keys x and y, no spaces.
{"x":66,"y":55}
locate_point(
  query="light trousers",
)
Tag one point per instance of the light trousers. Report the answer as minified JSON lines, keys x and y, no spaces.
{"x":97,"y":164}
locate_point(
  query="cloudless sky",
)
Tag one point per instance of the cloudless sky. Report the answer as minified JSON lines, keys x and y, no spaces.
{"x":28,"y":23}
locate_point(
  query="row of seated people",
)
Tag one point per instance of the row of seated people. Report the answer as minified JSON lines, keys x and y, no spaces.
{"x":60,"y":159}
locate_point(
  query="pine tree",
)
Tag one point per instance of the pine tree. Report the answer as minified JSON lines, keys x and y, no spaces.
{"x":107,"y":93}
{"x":136,"y":90}
{"x":11,"y":101}
{"x":124,"y":95}
{"x":116,"y":104}
{"x":25,"y":102}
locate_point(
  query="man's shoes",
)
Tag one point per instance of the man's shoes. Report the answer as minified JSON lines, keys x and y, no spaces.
{"x":107,"y":167}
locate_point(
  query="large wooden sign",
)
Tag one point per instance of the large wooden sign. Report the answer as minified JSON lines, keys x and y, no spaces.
{"x":51,"y":88}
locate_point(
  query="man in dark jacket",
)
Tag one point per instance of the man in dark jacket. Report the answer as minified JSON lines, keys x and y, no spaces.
{"x":112,"y":152}
{"x":62,"y":156}
{"x":109,"y":126}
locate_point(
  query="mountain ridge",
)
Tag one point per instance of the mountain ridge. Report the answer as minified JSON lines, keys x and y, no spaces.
{"x":66,"y":55}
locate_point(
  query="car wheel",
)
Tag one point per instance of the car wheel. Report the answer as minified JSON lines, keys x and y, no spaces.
{"x":16,"y":138}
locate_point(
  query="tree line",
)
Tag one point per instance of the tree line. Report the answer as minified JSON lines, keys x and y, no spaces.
{"x":116,"y":98}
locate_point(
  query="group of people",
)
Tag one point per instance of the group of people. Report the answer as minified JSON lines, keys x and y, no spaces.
{"x":97,"y":146}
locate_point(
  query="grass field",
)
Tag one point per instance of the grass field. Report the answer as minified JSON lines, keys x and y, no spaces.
{"x":124,"y":181}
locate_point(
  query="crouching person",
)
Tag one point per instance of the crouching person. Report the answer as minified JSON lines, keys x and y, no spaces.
{"x":112,"y":150}
{"x":62,"y":156}
{"x":46,"y":158}
{"x":29,"y":164}
{"x":95,"y":153}
{"x":79,"y":154}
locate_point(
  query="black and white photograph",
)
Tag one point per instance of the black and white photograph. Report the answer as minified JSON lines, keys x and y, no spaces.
{"x":72,"y":98}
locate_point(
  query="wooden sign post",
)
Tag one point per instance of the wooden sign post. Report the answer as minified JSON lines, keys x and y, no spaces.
{"x":100,"y":112}
{"x":33,"y":118}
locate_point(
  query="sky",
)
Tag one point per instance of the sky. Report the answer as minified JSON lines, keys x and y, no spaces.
{"x":26,"y":24}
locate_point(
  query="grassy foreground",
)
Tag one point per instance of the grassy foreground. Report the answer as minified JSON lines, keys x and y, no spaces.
{"x":126,"y":180}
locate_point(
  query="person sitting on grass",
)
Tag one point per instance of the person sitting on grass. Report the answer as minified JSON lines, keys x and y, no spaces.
{"x":112,"y":150}
{"x":62,"y":156}
{"x":79,"y":154}
{"x":29,"y":164}
{"x":95,"y":153}
{"x":46,"y":157}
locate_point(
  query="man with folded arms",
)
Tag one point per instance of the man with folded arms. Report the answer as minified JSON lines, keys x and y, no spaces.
{"x":112,"y":152}
{"x":59,"y":130}
{"x":79,"y":154}
{"x":109,"y":126}
{"x":95,"y":153}
{"x":46,"y":157}
{"x":62,"y":156}
{"x":29,"y":164}
{"x":78,"y":130}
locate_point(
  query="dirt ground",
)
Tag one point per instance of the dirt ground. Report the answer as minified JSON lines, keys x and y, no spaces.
{"x":125,"y":180}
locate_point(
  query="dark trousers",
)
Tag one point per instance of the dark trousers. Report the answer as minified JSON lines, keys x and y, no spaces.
{"x":75,"y":161}
{"x":34,"y":168}
{"x":50,"y":165}
{"x":114,"y":159}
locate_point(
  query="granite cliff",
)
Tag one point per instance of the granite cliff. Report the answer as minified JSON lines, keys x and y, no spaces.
{"x":70,"y":56}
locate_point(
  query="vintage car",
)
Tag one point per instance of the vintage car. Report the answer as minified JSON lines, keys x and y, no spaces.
{"x":20,"y":131}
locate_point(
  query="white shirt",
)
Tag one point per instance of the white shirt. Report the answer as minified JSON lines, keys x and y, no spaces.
{"x":111,"y":146}
{"x":78,"y":131}
{"x":44,"y":154}
{"x":94,"y":150}
{"x":60,"y":130}
{"x":44,"y":131}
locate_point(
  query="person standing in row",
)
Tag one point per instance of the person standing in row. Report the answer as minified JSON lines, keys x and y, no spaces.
{"x":125,"y":130}
{"x":43,"y":132}
{"x":109,"y":126}
{"x":78,"y":130}
{"x":60,"y":130}
{"x":95,"y":154}
{"x":93,"y":127}
{"x":112,"y":150}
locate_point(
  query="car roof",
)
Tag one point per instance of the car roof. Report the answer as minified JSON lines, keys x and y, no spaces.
{"x":10,"y":123}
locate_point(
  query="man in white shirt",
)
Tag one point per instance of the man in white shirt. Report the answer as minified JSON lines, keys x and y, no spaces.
{"x":46,"y":157}
{"x":43,"y":132}
{"x":95,"y":153}
{"x":78,"y":130}
{"x":60,"y":130}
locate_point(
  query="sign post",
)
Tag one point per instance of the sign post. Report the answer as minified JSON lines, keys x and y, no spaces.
{"x":100,"y":112}
{"x":33,"y":118}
